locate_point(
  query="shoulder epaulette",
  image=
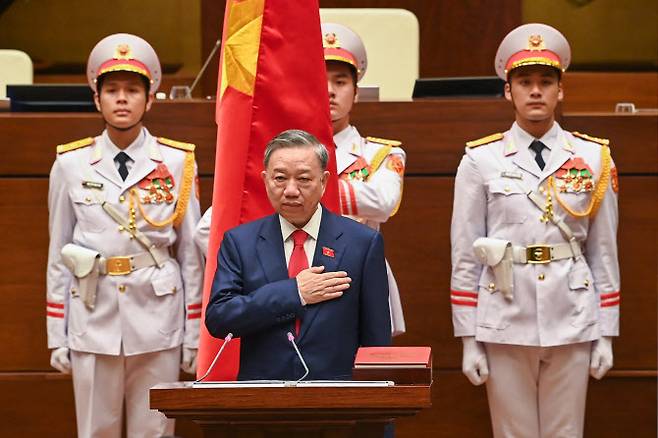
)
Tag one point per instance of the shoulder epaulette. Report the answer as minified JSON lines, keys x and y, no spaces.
{"x":384,"y":141}
{"x":187,"y":147}
{"x":602,"y":141}
{"x":484,"y":140}
{"x":68,"y":147}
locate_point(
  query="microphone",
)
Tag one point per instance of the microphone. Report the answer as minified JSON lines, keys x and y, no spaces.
{"x":227,"y":339}
{"x":291,"y":338}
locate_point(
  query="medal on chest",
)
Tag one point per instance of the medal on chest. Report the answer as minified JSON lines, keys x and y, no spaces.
{"x":575,"y":176}
{"x":159,"y":185}
{"x":357,"y":171}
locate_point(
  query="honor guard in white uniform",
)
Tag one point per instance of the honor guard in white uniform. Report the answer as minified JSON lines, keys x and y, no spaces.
{"x":535,"y":278}
{"x":124,"y":275}
{"x":370,"y":170}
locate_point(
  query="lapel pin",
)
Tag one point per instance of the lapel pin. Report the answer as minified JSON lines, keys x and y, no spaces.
{"x":328,"y":252}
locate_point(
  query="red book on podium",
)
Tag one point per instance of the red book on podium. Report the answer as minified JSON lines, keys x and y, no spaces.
{"x":402,"y":365}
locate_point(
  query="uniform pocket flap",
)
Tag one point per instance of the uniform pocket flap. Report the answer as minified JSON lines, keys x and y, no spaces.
{"x":579,"y":277}
{"x":166,"y":284}
{"x":488,"y":281}
{"x":504,"y":186}
{"x":85,"y":197}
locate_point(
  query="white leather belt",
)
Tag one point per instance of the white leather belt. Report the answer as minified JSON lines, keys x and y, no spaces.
{"x":124,"y":265}
{"x":544,"y":253}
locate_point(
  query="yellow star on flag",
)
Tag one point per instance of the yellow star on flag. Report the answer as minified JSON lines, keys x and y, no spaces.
{"x":241,"y":45}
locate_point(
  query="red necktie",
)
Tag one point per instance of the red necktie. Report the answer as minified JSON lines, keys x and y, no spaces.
{"x":298,"y":261}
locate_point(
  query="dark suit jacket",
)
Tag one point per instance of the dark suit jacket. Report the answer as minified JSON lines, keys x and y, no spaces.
{"x":253,"y":298}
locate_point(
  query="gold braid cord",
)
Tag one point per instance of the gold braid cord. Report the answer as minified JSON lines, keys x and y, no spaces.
{"x":598,"y":193}
{"x":183,"y":196}
{"x":378,"y":159}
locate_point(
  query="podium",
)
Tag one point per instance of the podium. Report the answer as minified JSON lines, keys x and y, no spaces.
{"x":291,"y":411}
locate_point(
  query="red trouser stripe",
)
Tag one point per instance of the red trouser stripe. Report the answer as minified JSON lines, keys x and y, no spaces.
{"x":355,"y":211}
{"x":610,"y":295}
{"x":464,"y":303}
{"x":461,"y":293}
{"x":610,"y":303}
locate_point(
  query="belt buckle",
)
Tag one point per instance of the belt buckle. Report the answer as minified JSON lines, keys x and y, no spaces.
{"x":118,"y":266}
{"x":538,"y":253}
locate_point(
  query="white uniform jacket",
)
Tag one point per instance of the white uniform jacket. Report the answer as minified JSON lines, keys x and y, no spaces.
{"x":562,"y":302}
{"x":369,"y":195}
{"x":149,"y":309}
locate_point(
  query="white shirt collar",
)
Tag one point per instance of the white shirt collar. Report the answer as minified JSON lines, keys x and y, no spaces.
{"x":312,"y":227}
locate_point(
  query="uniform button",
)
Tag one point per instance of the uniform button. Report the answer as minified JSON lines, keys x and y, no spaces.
{"x":540,"y":277}
{"x":87,"y":199}
{"x":174,"y":290}
{"x":541,"y":189}
{"x":586,"y":283}
{"x":122,"y":288}
{"x":121,"y":228}
{"x":73,"y":291}
{"x":507,"y":189}
{"x":492,"y":286}
{"x":122,"y":198}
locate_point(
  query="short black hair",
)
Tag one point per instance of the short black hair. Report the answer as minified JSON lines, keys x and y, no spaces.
{"x":101,"y":79}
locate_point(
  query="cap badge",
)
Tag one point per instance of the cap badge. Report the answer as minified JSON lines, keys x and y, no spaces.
{"x":123,"y":51}
{"x":536,"y":42}
{"x":331,"y":41}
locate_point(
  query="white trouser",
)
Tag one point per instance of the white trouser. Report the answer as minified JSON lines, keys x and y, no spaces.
{"x":537,"y":391}
{"x":101,"y":382}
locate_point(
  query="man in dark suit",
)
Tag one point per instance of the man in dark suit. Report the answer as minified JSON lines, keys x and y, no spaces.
{"x":264,"y":288}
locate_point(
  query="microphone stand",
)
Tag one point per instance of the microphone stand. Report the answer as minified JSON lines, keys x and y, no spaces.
{"x":227,"y":339}
{"x":188,"y":90}
{"x":291,"y":338}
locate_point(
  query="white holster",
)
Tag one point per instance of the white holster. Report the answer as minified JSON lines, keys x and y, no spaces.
{"x":498,"y":254}
{"x":84,"y":263}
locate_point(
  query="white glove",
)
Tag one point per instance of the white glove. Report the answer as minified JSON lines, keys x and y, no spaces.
{"x":474,"y":361}
{"x":601,"y":360}
{"x":188,"y":364}
{"x":59,"y":359}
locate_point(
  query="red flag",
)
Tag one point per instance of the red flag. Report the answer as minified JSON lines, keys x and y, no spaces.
{"x":272,"y":77}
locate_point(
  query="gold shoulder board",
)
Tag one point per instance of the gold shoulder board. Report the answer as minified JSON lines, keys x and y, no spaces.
{"x":484,"y":140}
{"x":602,"y":141}
{"x":187,"y":147}
{"x":384,"y":141}
{"x":68,"y":147}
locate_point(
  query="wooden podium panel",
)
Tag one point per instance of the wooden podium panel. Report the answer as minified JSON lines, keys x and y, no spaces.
{"x":290,"y":411}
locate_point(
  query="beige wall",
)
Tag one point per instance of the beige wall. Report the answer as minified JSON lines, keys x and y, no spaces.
{"x":602,"y":32}
{"x":64,"y":31}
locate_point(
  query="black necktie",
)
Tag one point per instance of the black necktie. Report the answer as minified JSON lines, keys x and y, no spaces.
{"x":122,"y":158}
{"x":537,"y":146}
